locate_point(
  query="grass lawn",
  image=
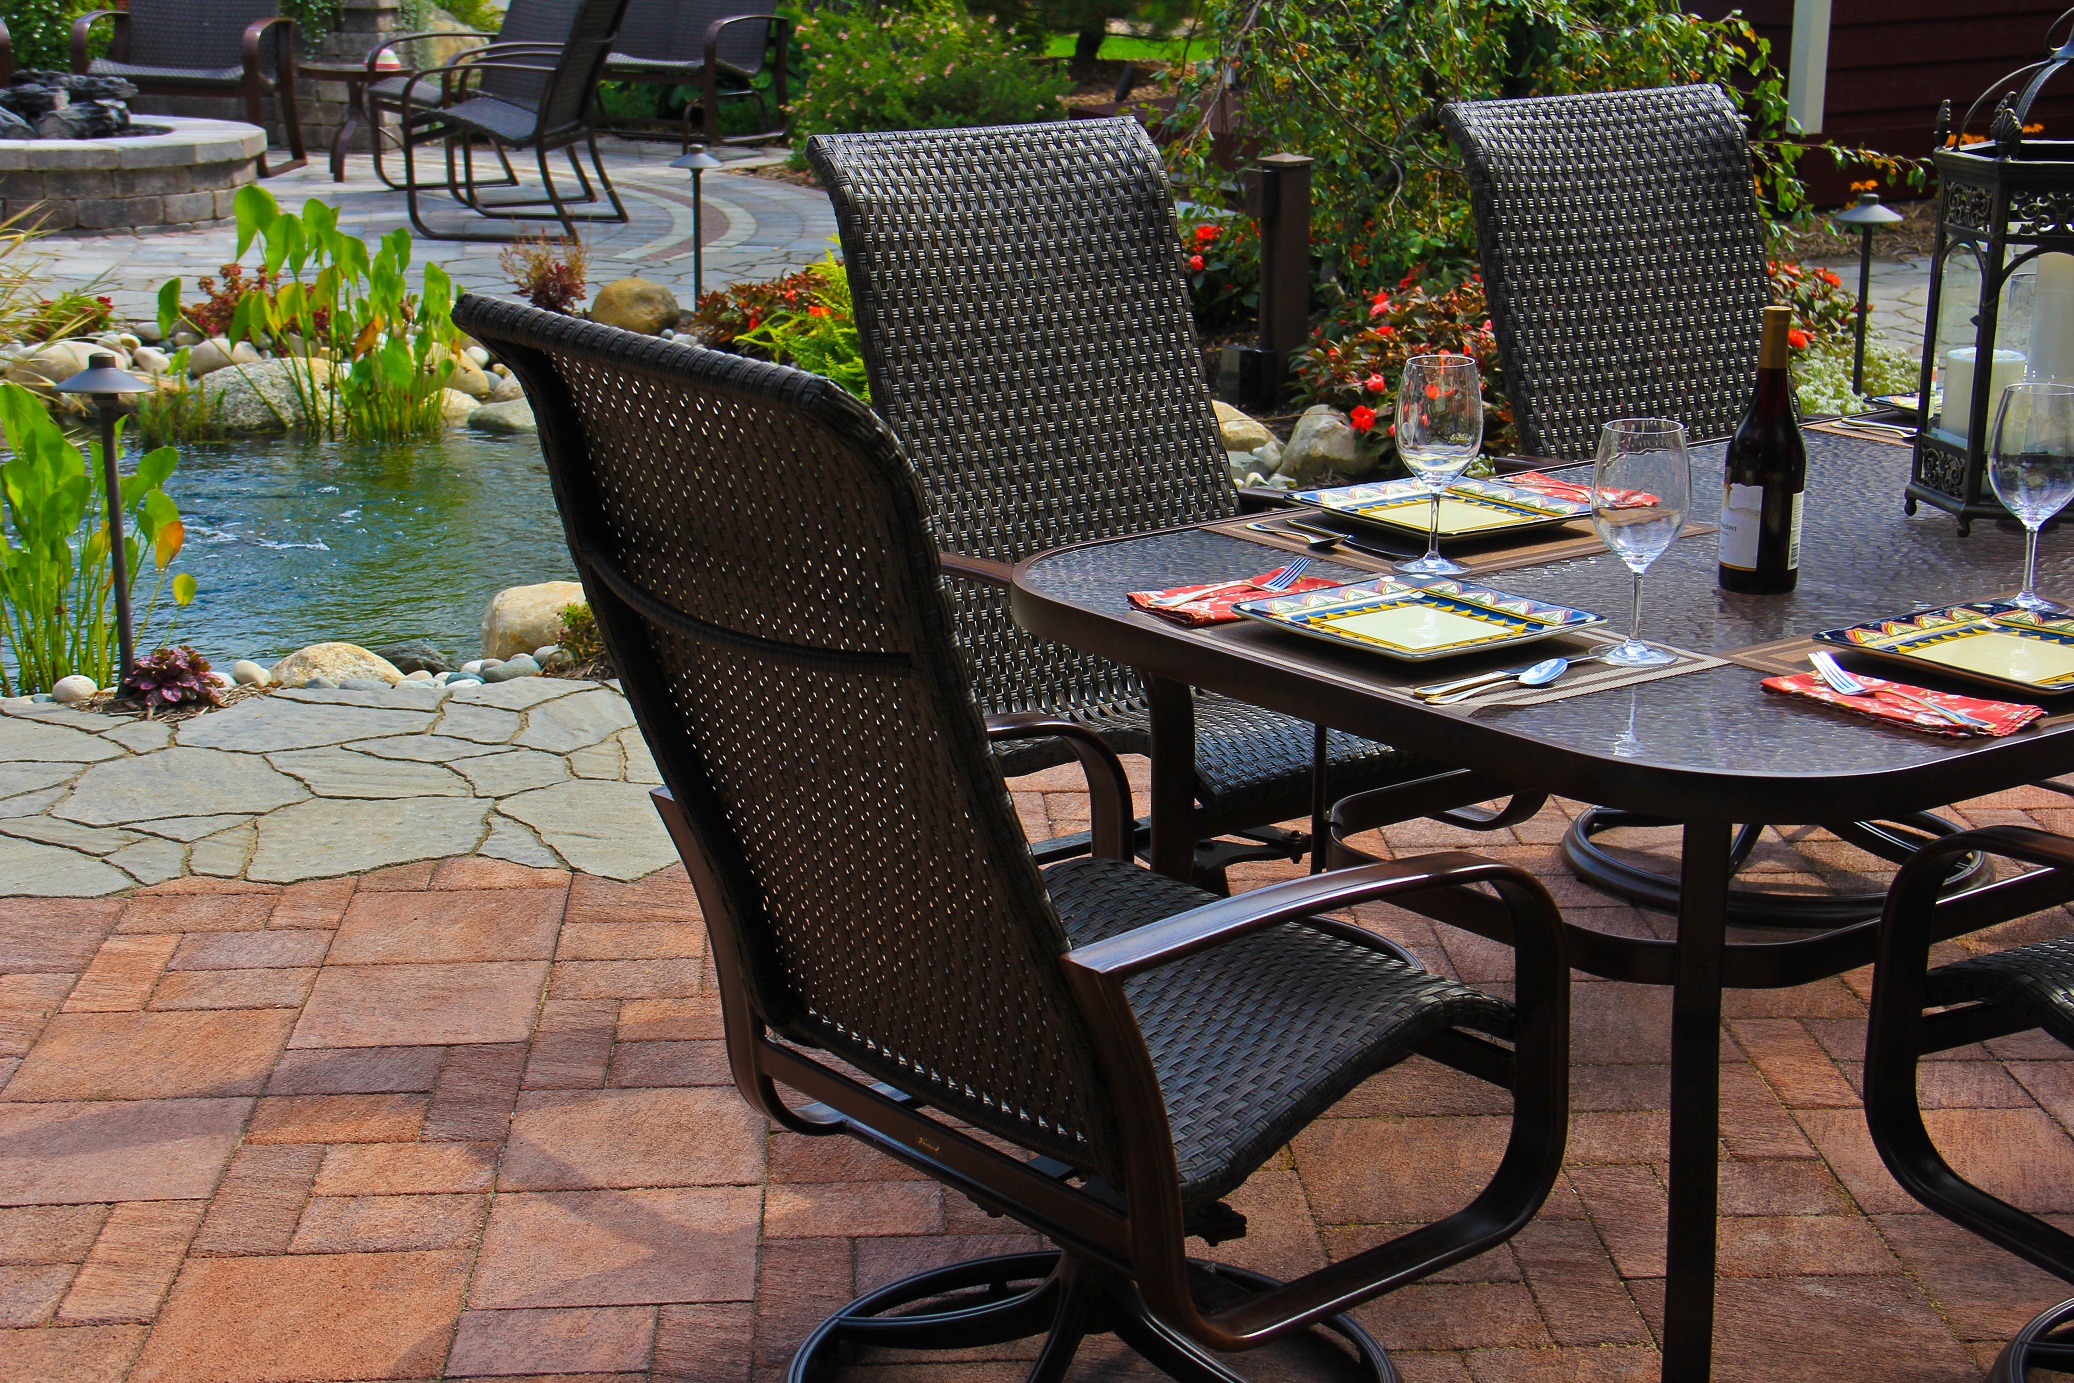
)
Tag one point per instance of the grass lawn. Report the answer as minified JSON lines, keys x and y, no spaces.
{"x":1124,"y":48}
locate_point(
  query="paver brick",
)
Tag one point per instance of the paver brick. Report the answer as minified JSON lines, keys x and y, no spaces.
{"x":352,"y":1224}
{"x":122,"y":974}
{"x":256,"y":1209}
{"x":586,"y":1340}
{"x":380,"y":1118}
{"x":142,"y":1056}
{"x":132,"y":1263}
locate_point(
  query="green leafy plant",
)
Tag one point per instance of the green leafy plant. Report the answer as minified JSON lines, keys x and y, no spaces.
{"x":580,"y":634}
{"x":723,"y":315}
{"x":819,"y":335}
{"x":936,"y":66}
{"x":169,"y":678}
{"x":367,"y":357}
{"x":180,"y":410}
{"x":41,"y":31}
{"x":1222,"y":257}
{"x":56,"y":579}
{"x":69,"y":314}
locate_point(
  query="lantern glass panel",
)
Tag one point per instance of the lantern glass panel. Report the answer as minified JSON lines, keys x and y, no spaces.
{"x":1958,"y":313}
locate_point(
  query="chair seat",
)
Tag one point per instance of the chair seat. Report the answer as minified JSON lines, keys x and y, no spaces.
{"x":510,"y":123}
{"x":186,"y":76}
{"x":2035,"y":981}
{"x":1255,"y":1039}
{"x":388,"y":92}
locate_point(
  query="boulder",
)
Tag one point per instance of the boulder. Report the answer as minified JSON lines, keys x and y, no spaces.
{"x":506,"y":390}
{"x":150,"y":360}
{"x":523,"y":618}
{"x":512,"y":416}
{"x":456,"y":406}
{"x":332,"y":663}
{"x":12,"y":126}
{"x":469,"y":378}
{"x":1242,"y":432}
{"x":85,"y":120}
{"x":262,"y":397}
{"x":636,"y":305}
{"x":50,"y":364}
{"x":416,"y":655}
{"x":208,"y":357}
{"x":1323,"y":441}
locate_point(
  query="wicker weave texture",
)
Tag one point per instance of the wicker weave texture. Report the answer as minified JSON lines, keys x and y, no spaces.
{"x":2036,"y":981}
{"x":208,"y":35}
{"x":1623,"y":255}
{"x":666,"y":34}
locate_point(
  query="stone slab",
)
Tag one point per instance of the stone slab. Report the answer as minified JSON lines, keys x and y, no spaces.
{"x":399,"y":697}
{"x":141,"y":736}
{"x":88,"y":840}
{"x":268,"y":724}
{"x":508,"y":840}
{"x":329,"y":836}
{"x":151,"y":861}
{"x":223,"y":855}
{"x":29,"y":803}
{"x":337,"y":772}
{"x":424,"y":749}
{"x":483,"y":724}
{"x":24,"y":740}
{"x":16,"y":779}
{"x":31,"y":869}
{"x":573,"y":722}
{"x":188,"y":827}
{"x":183,"y":782}
{"x":519,"y":693}
{"x":599,"y":828}
{"x":514,"y":770}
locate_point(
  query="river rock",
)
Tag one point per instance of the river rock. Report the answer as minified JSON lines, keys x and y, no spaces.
{"x":523,"y":618}
{"x":333,"y":662}
{"x":1241,"y":431}
{"x":12,"y":126}
{"x":415,"y":655}
{"x":262,"y":396}
{"x":456,"y":406}
{"x":151,"y":360}
{"x":507,"y":389}
{"x":636,"y":305}
{"x":1323,"y":441}
{"x":249,"y":674}
{"x":469,"y":378}
{"x":73,"y":689}
{"x":521,"y":666}
{"x":513,"y":417}
{"x":363,"y":684}
{"x":50,"y":365}
{"x":208,"y":357}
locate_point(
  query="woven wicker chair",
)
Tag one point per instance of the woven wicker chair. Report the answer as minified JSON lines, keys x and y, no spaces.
{"x":1917,"y":1011}
{"x":1128,"y":1048}
{"x":538,"y":97}
{"x":211,"y":47}
{"x":713,"y":45}
{"x":1026,"y":330}
{"x":1623,"y":255}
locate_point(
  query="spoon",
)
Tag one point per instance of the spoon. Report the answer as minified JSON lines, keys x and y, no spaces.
{"x":1539,"y":675}
{"x":1486,"y":681}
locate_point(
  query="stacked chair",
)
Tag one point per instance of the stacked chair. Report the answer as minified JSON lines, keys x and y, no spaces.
{"x":1094,"y":1050}
{"x":715,"y":48}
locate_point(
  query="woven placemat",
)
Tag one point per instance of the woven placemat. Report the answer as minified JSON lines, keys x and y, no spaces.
{"x":1538,"y":547}
{"x":1397,"y":678}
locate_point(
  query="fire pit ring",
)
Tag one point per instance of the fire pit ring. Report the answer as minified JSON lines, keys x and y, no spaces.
{"x":183,"y":173}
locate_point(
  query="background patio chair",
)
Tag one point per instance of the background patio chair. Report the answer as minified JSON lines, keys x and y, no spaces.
{"x":1025,"y":325}
{"x":753,"y":544}
{"x":206,"y":47}
{"x":535,"y":97}
{"x":2025,"y":988}
{"x":716,"y":46}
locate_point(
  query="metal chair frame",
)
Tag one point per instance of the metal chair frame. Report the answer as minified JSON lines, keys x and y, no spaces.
{"x":707,"y":71}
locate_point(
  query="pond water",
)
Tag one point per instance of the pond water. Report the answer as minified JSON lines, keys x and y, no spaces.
{"x":295,"y":542}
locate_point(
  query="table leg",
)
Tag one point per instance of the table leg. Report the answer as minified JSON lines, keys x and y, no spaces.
{"x":1696,"y":1103}
{"x":343,"y":140}
{"x":1173,"y":778}
{"x":1321,"y":806}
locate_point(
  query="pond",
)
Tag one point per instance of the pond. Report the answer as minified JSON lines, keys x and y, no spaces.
{"x":295,"y":542}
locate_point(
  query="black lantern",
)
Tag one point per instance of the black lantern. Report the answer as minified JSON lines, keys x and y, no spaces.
{"x":2001,"y":286}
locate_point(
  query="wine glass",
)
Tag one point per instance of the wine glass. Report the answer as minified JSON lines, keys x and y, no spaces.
{"x":2031,"y":467}
{"x":1641,"y":490}
{"x":1439,"y":432}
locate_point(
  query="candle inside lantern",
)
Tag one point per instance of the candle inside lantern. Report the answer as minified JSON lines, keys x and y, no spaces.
{"x":2052,"y":319}
{"x":2007,"y":368}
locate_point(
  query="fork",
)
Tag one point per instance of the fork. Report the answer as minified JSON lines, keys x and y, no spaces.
{"x":1845,"y":684}
{"x":1274,"y":585}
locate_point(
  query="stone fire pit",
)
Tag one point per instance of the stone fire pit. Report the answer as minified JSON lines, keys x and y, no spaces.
{"x":183,"y":172}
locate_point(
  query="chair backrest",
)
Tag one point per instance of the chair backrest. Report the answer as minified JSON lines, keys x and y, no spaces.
{"x":1025,"y":326}
{"x":675,"y":31}
{"x":199,"y":34}
{"x":584,"y":29}
{"x":752,"y":543}
{"x":1623,"y":255}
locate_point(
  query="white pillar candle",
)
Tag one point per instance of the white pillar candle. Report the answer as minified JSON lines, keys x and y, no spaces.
{"x":2007,"y":369}
{"x":2052,"y":319}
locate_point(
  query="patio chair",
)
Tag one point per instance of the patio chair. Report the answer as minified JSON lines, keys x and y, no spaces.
{"x":1096,"y":1051}
{"x":1623,"y":261}
{"x":206,"y":47}
{"x":1917,"y":1011}
{"x":712,"y":45}
{"x":535,"y":97}
{"x":1025,"y":326}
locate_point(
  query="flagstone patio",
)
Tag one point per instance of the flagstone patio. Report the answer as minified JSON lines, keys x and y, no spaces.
{"x":471,"y":1119}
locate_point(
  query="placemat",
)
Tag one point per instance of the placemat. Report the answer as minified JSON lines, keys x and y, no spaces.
{"x":1397,"y":679}
{"x":1863,"y":434}
{"x":1560,"y":543}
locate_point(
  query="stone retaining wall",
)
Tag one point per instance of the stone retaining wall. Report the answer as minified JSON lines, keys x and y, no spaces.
{"x":185,"y":178}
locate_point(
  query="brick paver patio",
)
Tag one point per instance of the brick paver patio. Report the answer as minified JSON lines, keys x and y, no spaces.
{"x":471,"y":1119}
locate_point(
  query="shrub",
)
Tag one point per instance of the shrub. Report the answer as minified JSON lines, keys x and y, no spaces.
{"x":935,"y":67}
{"x":723,"y":315}
{"x":580,"y":634}
{"x":548,"y":273}
{"x":170,"y":678}
{"x":42,"y":30}
{"x":1222,"y":258}
{"x":819,"y":333}
{"x":68,"y":314}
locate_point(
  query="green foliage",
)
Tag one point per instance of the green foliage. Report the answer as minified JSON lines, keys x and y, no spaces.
{"x":42,"y":30}
{"x":1824,"y":339}
{"x":937,"y":66}
{"x":313,"y":18}
{"x":1357,"y":85}
{"x":819,"y":335}
{"x":580,"y":634}
{"x":56,"y":580}
{"x":369,"y":358}
{"x":69,"y":314}
{"x":723,"y":315}
{"x":180,"y":410}
{"x":1222,"y":257}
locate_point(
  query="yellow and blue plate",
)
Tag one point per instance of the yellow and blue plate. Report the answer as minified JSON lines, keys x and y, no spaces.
{"x":1417,"y":622}
{"x":1996,"y":642}
{"x":1469,"y":508}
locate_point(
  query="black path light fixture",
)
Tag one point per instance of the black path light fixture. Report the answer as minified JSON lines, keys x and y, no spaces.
{"x":106,"y":385}
{"x":698,"y":161}
{"x":1867,"y":217}
{"x":2001,"y":283}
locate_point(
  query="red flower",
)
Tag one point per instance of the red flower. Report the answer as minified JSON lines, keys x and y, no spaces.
{"x":1433,"y":391}
{"x":1797,"y":339}
{"x":1205,"y":234}
{"x":1829,"y":277}
{"x":817,"y":311}
{"x":1386,"y":330}
{"x":1375,"y":384}
{"x":1195,"y":262}
{"x":1362,"y":419}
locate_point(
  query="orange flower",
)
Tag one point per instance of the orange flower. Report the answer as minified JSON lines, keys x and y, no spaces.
{"x":1205,"y":234}
{"x":817,"y":311}
{"x":1829,"y":277}
{"x":1797,"y":339}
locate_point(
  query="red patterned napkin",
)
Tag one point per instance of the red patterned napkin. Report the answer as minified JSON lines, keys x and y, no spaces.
{"x":1542,"y":483}
{"x":1219,"y":596}
{"x":2005,"y":717}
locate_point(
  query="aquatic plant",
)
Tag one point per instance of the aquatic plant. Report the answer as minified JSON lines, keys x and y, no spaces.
{"x":56,"y":579}
{"x":548,"y":273}
{"x":169,"y":678}
{"x":180,"y":410}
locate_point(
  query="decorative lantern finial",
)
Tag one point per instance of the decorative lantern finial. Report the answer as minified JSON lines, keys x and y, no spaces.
{"x":1942,"y":135}
{"x":2008,"y":130}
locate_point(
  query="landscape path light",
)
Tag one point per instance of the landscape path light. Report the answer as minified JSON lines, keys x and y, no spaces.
{"x":698,"y":161}
{"x":1868,"y":218}
{"x":106,"y":385}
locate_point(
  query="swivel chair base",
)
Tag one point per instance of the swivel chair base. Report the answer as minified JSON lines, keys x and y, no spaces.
{"x":988,"y":1301}
{"x":2046,"y":1343}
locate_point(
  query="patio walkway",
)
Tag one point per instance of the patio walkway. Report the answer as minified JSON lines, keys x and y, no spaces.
{"x":469,"y":1119}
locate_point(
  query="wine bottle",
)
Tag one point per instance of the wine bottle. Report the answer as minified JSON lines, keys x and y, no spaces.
{"x":1766,"y":477}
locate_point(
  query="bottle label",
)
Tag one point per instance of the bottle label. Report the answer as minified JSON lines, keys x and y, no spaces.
{"x":1793,"y":544}
{"x":1742,"y":513}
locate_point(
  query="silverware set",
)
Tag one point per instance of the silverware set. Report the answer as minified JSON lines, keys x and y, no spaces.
{"x":1540,"y":674}
{"x":1275,"y":584}
{"x":1844,"y":684}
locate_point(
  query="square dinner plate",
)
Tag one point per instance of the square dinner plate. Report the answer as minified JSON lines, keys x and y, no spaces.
{"x":1996,"y":642}
{"x":1469,"y":508}
{"x":1417,"y":622}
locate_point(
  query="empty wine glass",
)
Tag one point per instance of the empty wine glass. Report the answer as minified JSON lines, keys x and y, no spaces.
{"x":2031,"y":467}
{"x":1439,"y":432}
{"x":1641,"y":490}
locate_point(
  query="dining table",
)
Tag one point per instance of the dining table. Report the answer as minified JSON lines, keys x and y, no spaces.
{"x":1703,"y":745}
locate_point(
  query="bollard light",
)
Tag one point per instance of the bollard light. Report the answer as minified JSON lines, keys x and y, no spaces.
{"x":106,"y":385}
{"x":1867,"y":218}
{"x":698,"y":161}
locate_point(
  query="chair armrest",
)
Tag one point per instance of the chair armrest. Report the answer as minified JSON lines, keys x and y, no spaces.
{"x":1111,"y":818}
{"x":713,"y":30}
{"x":6,"y":54}
{"x":447,"y":81}
{"x":374,"y":54}
{"x":983,"y":569}
{"x":83,"y":30}
{"x":284,"y":43}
